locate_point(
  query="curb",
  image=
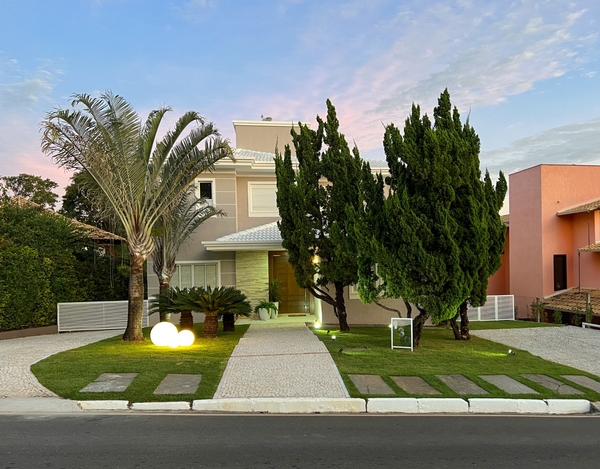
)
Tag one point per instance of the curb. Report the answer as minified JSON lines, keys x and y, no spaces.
{"x":357,"y":406}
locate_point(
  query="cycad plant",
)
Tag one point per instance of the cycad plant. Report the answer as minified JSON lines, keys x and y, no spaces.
{"x":139,"y":176}
{"x":226,"y":301}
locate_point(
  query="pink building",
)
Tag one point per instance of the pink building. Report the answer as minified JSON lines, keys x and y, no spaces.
{"x":552,"y":241}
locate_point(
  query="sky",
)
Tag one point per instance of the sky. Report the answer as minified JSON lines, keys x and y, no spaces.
{"x":524,"y":72}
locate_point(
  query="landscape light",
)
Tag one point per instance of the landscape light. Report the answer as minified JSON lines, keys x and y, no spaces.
{"x":317,"y":325}
{"x":185,"y":338}
{"x":511,"y":351}
{"x":163,"y":334}
{"x":333,"y":337}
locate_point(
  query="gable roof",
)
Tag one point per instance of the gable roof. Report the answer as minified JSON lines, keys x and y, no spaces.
{"x":260,"y":238}
{"x":582,"y":208}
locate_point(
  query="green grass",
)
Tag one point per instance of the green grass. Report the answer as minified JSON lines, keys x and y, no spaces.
{"x":68,"y":372}
{"x":440,"y":354}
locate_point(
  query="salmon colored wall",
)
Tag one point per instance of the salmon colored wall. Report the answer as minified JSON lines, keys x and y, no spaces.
{"x":499,"y":283}
{"x":537,"y":233}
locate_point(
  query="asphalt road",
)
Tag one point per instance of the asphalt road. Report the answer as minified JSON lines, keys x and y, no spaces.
{"x":315,"y":441}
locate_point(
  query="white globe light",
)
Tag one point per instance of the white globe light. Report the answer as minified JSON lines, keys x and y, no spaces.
{"x":185,"y":338}
{"x":163,"y":333}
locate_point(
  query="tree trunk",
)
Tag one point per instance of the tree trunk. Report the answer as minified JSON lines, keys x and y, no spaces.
{"x":454,"y":325}
{"x":186,"y":320}
{"x":340,"y":310}
{"x":163,"y":287}
{"x":133,"y":332}
{"x":211,"y":322}
{"x":229,"y":323}
{"x":418,"y":324}
{"x":408,"y":309}
{"x":464,"y":322}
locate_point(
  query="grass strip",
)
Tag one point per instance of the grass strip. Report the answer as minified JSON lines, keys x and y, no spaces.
{"x":440,"y":354}
{"x":68,"y":372}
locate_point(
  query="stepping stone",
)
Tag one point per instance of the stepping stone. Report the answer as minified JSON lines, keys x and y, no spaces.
{"x":584,"y":381}
{"x":508,"y":384}
{"x":461,"y":385}
{"x":414,"y":385}
{"x":179,"y":384}
{"x":552,"y":384}
{"x":371,"y":384}
{"x":110,"y":382}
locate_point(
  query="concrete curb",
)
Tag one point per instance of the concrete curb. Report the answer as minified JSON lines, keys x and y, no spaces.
{"x":160,"y":406}
{"x":103,"y":405}
{"x":302,"y":405}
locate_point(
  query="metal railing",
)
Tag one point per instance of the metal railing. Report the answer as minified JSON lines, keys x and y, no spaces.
{"x":95,"y":316}
{"x":496,"y":308}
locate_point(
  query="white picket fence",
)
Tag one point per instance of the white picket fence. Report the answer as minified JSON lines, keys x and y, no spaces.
{"x":95,"y":316}
{"x":496,"y":308}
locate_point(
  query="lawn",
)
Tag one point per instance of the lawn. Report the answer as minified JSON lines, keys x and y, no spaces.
{"x":68,"y":372}
{"x":440,"y":354}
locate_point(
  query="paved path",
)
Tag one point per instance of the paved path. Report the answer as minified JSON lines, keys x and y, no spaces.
{"x":280,"y":360}
{"x":17,"y":355}
{"x":568,"y":345}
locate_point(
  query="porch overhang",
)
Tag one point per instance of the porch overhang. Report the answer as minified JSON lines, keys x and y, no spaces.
{"x":241,"y":246}
{"x":260,"y":238}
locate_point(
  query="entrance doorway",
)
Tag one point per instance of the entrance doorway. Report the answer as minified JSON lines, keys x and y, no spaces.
{"x":293,"y":299}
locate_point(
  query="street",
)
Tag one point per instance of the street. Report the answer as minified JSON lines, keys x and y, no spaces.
{"x":312,"y":441}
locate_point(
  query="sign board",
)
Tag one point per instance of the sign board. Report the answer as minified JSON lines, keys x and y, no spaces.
{"x":402,"y":333}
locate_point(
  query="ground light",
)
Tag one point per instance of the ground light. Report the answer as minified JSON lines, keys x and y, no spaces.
{"x":185,"y":338}
{"x":317,"y":325}
{"x":163,"y":334}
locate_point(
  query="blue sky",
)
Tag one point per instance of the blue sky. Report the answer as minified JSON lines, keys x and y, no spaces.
{"x":526,"y":72}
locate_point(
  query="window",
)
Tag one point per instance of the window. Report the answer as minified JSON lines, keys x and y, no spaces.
{"x":199,"y":274}
{"x":560,"y":272}
{"x":205,"y":188}
{"x":262,"y":199}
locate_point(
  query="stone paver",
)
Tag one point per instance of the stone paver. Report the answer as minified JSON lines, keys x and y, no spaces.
{"x":110,"y":382}
{"x":461,"y":385}
{"x":280,"y":360}
{"x":371,"y":384}
{"x":584,"y":381}
{"x":552,"y":384}
{"x":179,"y":384}
{"x":508,"y":384}
{"x":568,"y":345}
{"x":17,"y":355}
{"x":414,"y":385}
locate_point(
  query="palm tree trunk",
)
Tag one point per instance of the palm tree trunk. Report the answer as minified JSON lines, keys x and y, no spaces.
{"x":133,"y":332}
{"x":229,"y":323}
{"x":186,"y":320}
{"x":163,"y":288}
{"x":211,"y":324}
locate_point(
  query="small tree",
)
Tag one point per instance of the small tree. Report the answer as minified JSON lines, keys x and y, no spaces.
{"x":32,"y":188}
{"x":312,"y":203}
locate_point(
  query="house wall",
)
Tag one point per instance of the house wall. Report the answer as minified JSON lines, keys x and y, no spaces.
{"x":537,"y":233}
{"x":252,"y":275}
{"x":264,"y":135}
{"x":244,"y":220}
{"x":499,"y":283}
{"x":364,"y":314}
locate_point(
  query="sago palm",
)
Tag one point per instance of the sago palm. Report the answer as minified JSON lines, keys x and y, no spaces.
{"x":140,"y":176}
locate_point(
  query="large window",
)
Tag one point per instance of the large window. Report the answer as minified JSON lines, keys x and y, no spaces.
{"x":198,"y":274}
{"x":262,"y":199}
{"x":560,"y":272}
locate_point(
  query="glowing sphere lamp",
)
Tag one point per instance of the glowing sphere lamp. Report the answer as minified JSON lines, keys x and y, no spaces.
{"x":185,"y":338}
{"x":163,"y":334}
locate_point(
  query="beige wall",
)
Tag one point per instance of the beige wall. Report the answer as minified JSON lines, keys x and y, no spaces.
{"x":263,"y":135}
{"x":252,"y":274}
{"x":244,"y":220}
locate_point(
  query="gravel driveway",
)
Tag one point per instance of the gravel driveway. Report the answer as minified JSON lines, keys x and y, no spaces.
{"x":17,"y":355}
{"x":567,"y":345}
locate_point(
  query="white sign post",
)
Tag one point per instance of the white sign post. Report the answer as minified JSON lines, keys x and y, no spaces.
{"x":402,"y":333}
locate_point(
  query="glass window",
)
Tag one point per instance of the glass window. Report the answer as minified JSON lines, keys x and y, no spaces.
{"x":262,"y":199}
{"x":195,"y":275}
{"x":206,"y":190}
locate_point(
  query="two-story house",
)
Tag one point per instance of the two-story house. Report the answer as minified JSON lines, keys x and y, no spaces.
{"x":243,"y":249}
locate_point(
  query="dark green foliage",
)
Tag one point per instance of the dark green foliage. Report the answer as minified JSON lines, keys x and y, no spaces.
{"x":32,"y":188}
{"x":211,"y":301}
{"x":314,"y":225}
{"x":46,"y":260}
{"x":437,"y":237}
{"x":78,"y":203}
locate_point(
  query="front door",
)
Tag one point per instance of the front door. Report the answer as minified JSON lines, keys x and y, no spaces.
{"x":293,"y":299}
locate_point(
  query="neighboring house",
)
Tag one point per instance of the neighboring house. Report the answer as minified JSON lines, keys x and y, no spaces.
{"x":243,"y":249}
{"x":552,"y":249}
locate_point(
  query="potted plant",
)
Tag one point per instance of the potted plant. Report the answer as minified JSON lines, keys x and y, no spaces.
{"x":275,"y":294}
{"x":263,"y":308}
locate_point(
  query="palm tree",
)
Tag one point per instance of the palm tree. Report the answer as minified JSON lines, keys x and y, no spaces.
{"x":172,"y":231}
{"x":139,"y":177}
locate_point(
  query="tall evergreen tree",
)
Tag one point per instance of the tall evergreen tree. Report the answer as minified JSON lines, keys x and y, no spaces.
{"x":312,"y":203}
{"x":431,"y":237}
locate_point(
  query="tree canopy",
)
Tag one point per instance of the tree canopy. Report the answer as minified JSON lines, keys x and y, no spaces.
{"x":139,"y":175}
{"x":312,"y":201}
{"x":32,"y":188}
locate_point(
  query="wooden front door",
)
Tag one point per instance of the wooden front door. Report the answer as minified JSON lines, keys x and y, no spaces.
{"x":293,"y":299}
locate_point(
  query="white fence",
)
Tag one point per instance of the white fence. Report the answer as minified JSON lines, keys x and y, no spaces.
{"x":95,"y":316}
{"x":496,"y":308}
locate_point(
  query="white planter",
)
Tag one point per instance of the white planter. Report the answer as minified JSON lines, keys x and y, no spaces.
{"x":275,"y":312}
{"x":264,"y":314}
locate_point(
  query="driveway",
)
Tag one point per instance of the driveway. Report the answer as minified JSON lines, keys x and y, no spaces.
{"x":567,"y":345}
{"x":17,"y":355}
